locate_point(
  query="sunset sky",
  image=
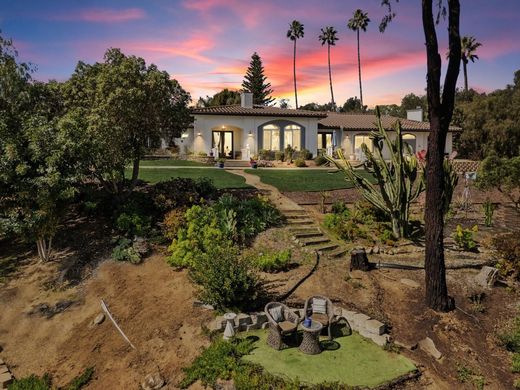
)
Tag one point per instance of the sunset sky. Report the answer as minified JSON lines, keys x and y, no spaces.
{"x":207,"y":44}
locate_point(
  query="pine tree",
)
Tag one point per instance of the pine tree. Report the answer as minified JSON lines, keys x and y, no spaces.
{"x":255,"y":82}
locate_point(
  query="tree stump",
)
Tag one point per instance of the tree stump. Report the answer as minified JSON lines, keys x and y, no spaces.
{"x":359,"y":260}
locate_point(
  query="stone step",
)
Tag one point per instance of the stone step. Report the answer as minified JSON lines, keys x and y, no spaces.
{"x":338,"y":253}
{"x":322,"y":249}
{"x":308,"y":234}
{"x":314,"y":241}
{"x":292,"y":211}
{"x":297,"y":216}
{"x":300,"y":222}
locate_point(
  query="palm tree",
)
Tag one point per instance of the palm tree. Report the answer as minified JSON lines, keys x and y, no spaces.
{"x":359,"y":21}
{"x":328,"y":36}
{"x":295,"y":32}
{"x":468,"y":47}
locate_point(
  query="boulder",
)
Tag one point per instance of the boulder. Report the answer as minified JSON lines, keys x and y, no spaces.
{"x":220,"y":324}
{"x":358,"y":321}
{"x":487,"y":277}
{"x":428,"y":346}
{"x":5,"y":380}
{"x":242,"y":321}
{"x":3,"y":369}
{"x":380,"y":340}
{"x":153,"y":382}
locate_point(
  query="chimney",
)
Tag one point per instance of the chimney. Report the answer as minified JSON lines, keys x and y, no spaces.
{"x":415,"y":115}
{"x":246,"y":99}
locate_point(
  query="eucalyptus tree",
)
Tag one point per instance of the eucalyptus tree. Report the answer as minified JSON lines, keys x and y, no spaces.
{"x":359,"y":21}
{"x":329,"y":36}
{"x":294,"y":33}
{"x":469,"y":46}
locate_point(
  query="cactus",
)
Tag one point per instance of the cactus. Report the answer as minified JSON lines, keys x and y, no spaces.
{"x":399,"y":180}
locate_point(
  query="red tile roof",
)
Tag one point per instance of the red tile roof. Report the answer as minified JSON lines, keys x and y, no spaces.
{"x":368,"y":122}
{"x":257,"y":111}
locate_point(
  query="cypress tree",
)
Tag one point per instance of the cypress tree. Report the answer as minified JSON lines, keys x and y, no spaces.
{"x":255,"y":82}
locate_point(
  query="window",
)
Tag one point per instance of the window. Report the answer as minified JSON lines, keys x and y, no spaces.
{"x":362,"y":139}
{"x":271,"y":137}
{"x":324,"y":140}
{"x":410,"y":140}
{"x":292,"y":136}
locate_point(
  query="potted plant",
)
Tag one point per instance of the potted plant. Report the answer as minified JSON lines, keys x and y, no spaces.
{"x":253,"y":163}
{"x":221,"y":162}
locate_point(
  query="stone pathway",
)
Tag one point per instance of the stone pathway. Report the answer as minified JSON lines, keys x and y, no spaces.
{"x":6,"y":377}
{"x":305,"y":230}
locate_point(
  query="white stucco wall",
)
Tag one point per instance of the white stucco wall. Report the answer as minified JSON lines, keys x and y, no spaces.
{"x":245,"y":130}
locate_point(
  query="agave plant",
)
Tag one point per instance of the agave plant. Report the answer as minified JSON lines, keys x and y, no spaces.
{"x":399,"y":181}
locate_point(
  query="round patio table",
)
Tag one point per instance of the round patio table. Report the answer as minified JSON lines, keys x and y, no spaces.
{"x":311,"y":338}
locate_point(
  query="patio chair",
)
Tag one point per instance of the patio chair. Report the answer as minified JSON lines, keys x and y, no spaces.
{"x":283,"y":323}
{"x":320,"y":308}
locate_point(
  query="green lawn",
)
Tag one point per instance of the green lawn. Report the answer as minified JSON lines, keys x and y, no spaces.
{"x":357,"y":362}
{"x":221,"y":178}
{"x":171,"y":163}
{"x":302,"y":179}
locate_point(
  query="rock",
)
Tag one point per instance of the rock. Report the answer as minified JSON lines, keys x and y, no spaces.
{"x":358,"y":321}
{"x":410,"y":347}
{"x":375,"y":250}
{"x":242,"y":321}
{"x":141,"y":246}
{"x":375,"y":327}
{"x":260,"y":318}
{"x":153,"y":382}
{"x":428,"y":346}
{"x":410,"y":283}
{"x":5,"y":379}
{"x":380,"y":340}
{"x":349,"y":315}
{"x":3,"y":369}
{"x":370,"y":251}
{"x":220,"y":324}
{"x":99,"y":319}
{"x":487,"y":277}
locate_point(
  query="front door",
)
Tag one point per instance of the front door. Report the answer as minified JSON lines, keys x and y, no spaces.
{"x":223,"y":142}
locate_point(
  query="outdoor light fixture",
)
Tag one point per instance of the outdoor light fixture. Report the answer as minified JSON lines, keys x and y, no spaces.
{"x":198,"y":134}
{"x":250,"y":133}
{"x":185,"y":135}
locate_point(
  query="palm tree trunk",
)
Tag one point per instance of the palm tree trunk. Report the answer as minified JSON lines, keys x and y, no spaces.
{"x":330,"y":77}
{"x":464,"y":67}
{"x":359,"y":71}
{"x":294,"y":74}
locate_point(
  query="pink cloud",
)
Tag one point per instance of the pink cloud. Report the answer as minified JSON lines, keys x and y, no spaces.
{"x":102,"y":15}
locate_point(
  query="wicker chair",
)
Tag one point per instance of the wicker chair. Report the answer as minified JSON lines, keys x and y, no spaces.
{"x":278,"y":330}
{"x":326,"y":319}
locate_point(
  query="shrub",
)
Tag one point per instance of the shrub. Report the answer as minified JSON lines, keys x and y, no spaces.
{"x":305,"y":154}
{"x":278,"y":155}
{"x":339,"y":207}
{"x":124,"y":251}
{"x":274,"y":262}
{"x":510,"y":338}
{"x":489,"y":210}
{"x":515,"y":363}
{"x":300,"y":163}
{"x":202,"y":154}
{"x":464,"y":238}
{"x":182,"y":192}
{"x":320,"y":160}
{"x":289,"y":153}
{"x":220,"y":360}
{"x":31,"y":382}
{"x":202,"y":230}
{"x":508,"y":247}
{"x":173,"y":221}
{"x":226,"y":281}
{"x":344,"y":227}
{"x":133,"y":224}
{"x":268,"y":155}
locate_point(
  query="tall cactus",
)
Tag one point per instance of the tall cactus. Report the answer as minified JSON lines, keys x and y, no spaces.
{"x":399,"y":180}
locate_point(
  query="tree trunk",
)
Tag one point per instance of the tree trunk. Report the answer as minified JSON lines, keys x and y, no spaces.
{"x":135,"y":173}
{"x":330,"y":78}
{"x":464,"y":66}
{"x":294,"y":74}
{"x":440,"y":113}
{"x":359,"y":71}
{"x":44,"y":247}
{"x":359,"y":260}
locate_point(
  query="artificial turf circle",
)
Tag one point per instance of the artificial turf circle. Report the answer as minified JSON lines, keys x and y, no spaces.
{"x":351,"y":360}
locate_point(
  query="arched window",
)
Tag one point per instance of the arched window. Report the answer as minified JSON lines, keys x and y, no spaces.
{"x":410,"y":139}
{"x":271,"y":137}
{"x":292,"y":136}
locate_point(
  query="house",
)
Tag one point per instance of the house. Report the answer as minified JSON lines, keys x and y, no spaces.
{"x":240,"y":131}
